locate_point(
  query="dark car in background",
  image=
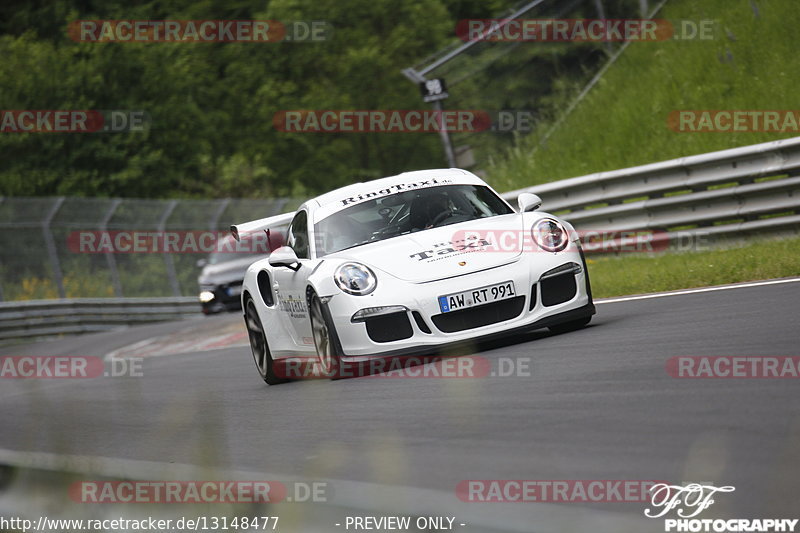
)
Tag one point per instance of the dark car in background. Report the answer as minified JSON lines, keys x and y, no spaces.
{"x":220,"y":281}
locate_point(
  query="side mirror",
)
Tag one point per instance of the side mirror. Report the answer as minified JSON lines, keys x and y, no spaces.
{"x":284,"y":257}
{"x":201,"y":263}
{"x":528,"y":202}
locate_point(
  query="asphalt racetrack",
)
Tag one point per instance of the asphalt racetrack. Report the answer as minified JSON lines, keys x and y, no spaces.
{"x":593,"y":404}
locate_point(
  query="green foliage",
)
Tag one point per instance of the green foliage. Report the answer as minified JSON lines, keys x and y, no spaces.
{"x":212,"y":104}
{"x":750,"y":64}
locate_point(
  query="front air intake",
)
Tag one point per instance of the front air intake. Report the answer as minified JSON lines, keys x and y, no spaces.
{"x":388,"y":328}
{"x":559,"y":285}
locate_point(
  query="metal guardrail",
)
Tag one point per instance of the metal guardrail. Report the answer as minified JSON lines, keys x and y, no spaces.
{"x":726,"y":193}
{"x":44,"y":318}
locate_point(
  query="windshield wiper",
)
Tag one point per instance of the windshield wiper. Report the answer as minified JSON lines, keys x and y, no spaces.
{"x":369,"y":241}
{"x":355,"y":245}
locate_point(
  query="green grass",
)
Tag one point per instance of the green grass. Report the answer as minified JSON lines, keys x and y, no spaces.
{"x":610,"y":275}
{"x":750,"y":64}
{"x":636,"y":274}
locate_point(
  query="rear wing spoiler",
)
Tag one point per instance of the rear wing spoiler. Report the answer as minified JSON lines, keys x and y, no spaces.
{"x":240,"y":231}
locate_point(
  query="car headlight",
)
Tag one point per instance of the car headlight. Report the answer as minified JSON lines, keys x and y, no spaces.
{"x":355,"y":278}
{"x":550,"y":235}
{"x":206,"y":296}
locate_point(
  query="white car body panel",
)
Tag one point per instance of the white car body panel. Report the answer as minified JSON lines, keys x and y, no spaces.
{"x":412,"y":270}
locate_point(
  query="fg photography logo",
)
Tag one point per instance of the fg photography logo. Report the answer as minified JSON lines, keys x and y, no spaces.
{"x":689,"y":500}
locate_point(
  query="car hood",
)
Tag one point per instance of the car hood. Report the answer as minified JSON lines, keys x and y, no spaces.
{"x":443,"y":252}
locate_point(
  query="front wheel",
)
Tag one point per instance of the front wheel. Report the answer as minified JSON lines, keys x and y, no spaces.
{"x":325,"y":340}
{"x":258,"y":345}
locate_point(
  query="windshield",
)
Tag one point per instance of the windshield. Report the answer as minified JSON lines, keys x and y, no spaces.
{"x":406,"y":212}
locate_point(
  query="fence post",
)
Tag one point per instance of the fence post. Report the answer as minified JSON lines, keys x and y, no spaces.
{"x":2,"y":297}
{"x":51,"y":246}
{"x":110,"y":259}
{"x":281,"y":204}
{"x":601,"y":14}
{"x":213,"y":225}
{"x":170,"y":264}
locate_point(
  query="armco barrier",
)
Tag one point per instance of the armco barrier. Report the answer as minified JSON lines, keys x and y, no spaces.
{"x":726,"y":193}
{"x":44,"y":318}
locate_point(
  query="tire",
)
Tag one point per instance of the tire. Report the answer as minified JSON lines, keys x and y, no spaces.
{"x":570,"y":326}
{"x":326,"y":341}
{"x":259,"y":346}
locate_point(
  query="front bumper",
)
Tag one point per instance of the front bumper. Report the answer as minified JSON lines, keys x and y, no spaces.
{"x":551,"y":289}
{"x":227,"y":297}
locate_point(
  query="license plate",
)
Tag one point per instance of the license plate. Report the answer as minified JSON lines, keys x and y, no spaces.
{"x":475,"y":297}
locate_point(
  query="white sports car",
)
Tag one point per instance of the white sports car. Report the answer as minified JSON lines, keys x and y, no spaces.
{"x":409,"y":264}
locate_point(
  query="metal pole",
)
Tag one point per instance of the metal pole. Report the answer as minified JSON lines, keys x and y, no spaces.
{"x":445,"y":136}
{"x":213,"y":224}
{"x":52,"y":252}
{"x":441,"y":61}
{"x":281,"y":204}
{"x":601,"y":14}
{"x":171,"y":275}
{"x":419,"y":76}
{"x":2,"y":297}
{"x":110,"y":259}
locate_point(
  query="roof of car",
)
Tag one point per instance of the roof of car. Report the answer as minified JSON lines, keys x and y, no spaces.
{"x":356,"y":193}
